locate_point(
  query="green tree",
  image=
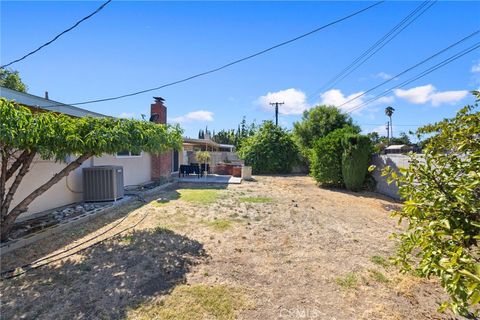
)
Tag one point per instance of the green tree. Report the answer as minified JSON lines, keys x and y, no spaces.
{"x":317,"y":123}
{"x":25,"y":135}
{"x":357,"y":150}
{"x":442,"y":207}
{"x":389,"y":113}
{"x":374,"y":137}
{"x":403,"y":138}
{"x":326,"y":158}
{"x":11,"y":80}
{"x":244,"y":131}
{"x":270,"y":150}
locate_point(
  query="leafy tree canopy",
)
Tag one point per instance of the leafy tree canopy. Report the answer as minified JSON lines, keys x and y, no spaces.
{"x":270,"y":150}
{"x":11,"y":80}
{"x":233,"y":137}
{"x":25,"y":134}
{"x":317,"y":123}
{"x":442,"y":207}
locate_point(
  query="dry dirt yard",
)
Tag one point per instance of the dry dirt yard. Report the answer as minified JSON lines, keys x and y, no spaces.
{"x":275,"y":248}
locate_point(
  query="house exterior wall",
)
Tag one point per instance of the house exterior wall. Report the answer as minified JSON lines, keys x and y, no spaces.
{"x":137,"y":170}
{"x":58,"y":195}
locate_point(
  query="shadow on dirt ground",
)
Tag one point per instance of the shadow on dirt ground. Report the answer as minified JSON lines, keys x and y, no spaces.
{"x":106,"y":280}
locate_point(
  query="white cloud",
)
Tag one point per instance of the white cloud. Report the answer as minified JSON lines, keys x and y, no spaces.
{"x":428,"y":93}
{"x":295,"y":101}
{"x":416,"y":95}
{"x":384,"y":76}
{"x":476,"y":67}
{"x":127,"y":115}
{"x":381,"y":130}
{"x":448,"y":97}
{"x":335,"y":97}
{"x":193,"y":116}
{"x":383,"y":100}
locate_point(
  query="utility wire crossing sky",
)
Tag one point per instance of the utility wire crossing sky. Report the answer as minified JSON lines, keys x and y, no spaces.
{"x":131,"y":45}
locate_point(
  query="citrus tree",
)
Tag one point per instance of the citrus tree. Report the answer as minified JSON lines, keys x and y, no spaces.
{"x":270,"y":150}
{"x":442,"y":207}
{"x":25,"y":135}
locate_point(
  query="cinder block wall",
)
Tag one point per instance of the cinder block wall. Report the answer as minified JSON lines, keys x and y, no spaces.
{"x":395,"y":161}
{"x":390,"y":190}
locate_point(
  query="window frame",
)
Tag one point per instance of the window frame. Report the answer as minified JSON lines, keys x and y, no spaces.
{"x":129,"y":155}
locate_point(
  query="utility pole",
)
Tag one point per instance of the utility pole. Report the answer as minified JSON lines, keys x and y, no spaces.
{"x":388,"y":133}
{"x":276,"y":104}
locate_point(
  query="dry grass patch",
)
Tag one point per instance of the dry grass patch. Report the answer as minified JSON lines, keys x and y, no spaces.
{"x":194,"y":302}
{"x":219,"y":224}
{"x":379,"y":276}
{"x":381,"y":261}
{"x":256,"y":199}
{"x":349,"y":281}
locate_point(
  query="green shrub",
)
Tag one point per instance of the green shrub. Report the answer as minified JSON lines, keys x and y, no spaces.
{"x":442,"y":207}
{"x":270,"y":150}
{"x":318,"y":122}
{"x":355,"y":159}
{"x":326,"y":158}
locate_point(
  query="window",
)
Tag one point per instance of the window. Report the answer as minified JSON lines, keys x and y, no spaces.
{"x":125,"y":154}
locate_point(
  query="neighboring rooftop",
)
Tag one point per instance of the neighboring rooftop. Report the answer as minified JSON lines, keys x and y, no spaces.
{"x":208,"y":142}
{"x":396,"y":147}
{"x":193,"y":141}
{"x":31,"y":100}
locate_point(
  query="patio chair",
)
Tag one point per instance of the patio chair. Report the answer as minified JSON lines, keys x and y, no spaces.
{"x":184,"y":169}
{"x":196,"y":170}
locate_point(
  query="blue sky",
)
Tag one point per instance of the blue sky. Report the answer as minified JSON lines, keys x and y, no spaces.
{"x":131,"y":46}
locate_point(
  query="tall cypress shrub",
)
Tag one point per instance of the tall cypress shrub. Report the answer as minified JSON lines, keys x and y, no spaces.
{"x":355,"y":159}
{"x":326,"y":158}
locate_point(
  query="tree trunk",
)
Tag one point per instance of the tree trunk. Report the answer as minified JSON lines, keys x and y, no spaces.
{"x":391,"y":127}
{"x":3,"y":175}
{"x":10,"y":218}
{"x":18,"y":162}
{"x":18,"y":179}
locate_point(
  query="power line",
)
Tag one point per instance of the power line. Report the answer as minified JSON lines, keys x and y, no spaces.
{"x":384,"y":44}
{"x":58,"y":35}
{"x":396,"y":125}
{"x":377,"y":46}
{"x":421,"y":75}
{"x":230,"y":63}
{"x":412,"y":67}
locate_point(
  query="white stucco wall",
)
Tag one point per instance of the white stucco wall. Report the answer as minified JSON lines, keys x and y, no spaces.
{"x":137,"y":170}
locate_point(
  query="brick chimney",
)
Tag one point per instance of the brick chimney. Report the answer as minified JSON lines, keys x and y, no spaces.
{"x":161,"y":164}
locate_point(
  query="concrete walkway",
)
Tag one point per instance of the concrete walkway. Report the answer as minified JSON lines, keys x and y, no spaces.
{"x":211,"y":178}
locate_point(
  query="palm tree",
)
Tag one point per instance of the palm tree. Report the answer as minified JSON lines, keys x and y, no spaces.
{"x":389,"y":112}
